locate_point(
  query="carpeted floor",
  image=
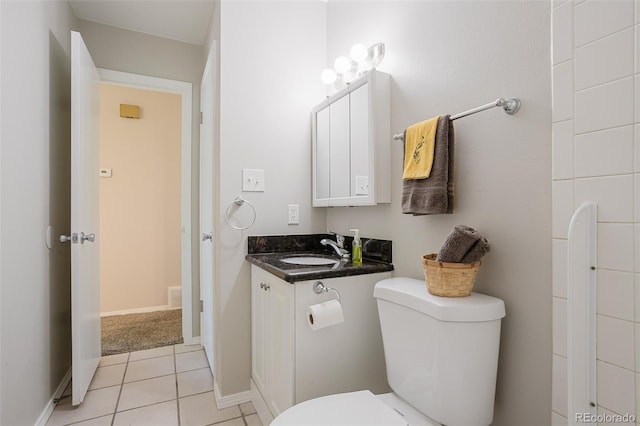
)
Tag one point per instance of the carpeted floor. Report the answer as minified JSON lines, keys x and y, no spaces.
{"x":135,"y":332}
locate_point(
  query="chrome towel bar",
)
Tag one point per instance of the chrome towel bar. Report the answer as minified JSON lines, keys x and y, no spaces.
{"x":510,"y":106}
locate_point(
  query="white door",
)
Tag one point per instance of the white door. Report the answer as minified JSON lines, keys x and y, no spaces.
{"x":207,"y":134}
{"x":85,"y":261}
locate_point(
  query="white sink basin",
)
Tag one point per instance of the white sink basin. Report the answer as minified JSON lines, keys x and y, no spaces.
{"x":310,"y":260}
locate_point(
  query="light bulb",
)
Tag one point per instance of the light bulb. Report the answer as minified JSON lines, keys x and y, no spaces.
{"x":342,"y":65}
{"x":359,"y":52}
{"x":328,"y":76}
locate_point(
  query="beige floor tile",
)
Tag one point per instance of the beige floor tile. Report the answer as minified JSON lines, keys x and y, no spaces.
{"x":147,"y":392}
{"x":194,"y":381}
{"x":253,"y":420}
{"x":182,"y":348}
{"x":151,"y":353}
{"x":111,"y":375}
{"x":98,"y":421}
{"x":247,"y":408}
{"x":149,"y":368}
{"x":164,"y":414}
{"x":191,"y":361}
{"x":199,"y":410}
{"x":234,"y":422}
{"x":113,"y":359}
{"x":97,"y":403}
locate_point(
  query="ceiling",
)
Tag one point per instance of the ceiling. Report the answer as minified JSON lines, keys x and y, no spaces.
{"x":182,"y":20}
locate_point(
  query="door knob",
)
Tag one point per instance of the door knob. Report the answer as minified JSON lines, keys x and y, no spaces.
{"x":208,"y":236}
{"x":87,"y":237}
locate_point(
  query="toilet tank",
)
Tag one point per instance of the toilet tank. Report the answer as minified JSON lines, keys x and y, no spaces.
{"x":441,"y":353}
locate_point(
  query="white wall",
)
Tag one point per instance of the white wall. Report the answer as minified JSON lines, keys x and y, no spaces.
{"x":129,"y":51}
{"x":596,"y":156}
{"x":447,"y":57}
{"x":271,"y":54}
{"x":35,"y":325}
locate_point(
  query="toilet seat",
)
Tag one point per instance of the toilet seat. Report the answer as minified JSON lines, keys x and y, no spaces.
{"x":360,"y":408}
{"x":343,"y":409}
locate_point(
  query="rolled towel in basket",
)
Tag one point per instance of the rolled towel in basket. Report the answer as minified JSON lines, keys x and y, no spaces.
{"x":460,"y":240}
{"x":477,"y":251}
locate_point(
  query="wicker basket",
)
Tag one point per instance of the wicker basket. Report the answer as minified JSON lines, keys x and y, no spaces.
{"x":448,"y":279}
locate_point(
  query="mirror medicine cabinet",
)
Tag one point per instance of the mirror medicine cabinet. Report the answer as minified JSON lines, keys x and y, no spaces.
{"x":351,"y":145}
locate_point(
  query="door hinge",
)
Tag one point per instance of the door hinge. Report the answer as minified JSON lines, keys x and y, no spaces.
{"x":201,"y":120}
{"x":201,"y":306}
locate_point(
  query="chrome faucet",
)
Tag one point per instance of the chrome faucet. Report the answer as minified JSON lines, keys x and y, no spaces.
{"x":337,"y":246}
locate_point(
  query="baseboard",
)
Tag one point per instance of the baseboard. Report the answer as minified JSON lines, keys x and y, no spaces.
{"x":51,"y":405}
{"x":192,"y":341}
{"x":229,"y":400}
{"x":137,"y":310}
{"x":260,"y":405}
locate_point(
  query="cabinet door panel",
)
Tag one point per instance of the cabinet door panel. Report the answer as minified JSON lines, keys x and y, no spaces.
{"x":280,"y":360}
{"x":339,"y":152}
{"x":322,"y":159}
{"x":359,"y":116}
{"x":258,"y":330}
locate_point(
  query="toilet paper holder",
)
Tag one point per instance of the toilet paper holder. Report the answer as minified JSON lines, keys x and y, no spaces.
{"x":319,"y":288}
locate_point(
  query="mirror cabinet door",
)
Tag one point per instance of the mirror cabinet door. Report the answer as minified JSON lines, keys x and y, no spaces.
{"x":322,"y":154}
{"x":339,"y":152}
{"x":359,"y":117}
{"x":351,"y":151}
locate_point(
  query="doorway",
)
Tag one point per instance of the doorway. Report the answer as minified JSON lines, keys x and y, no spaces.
{"x":146,"y":192}
{"x":140,"y":291}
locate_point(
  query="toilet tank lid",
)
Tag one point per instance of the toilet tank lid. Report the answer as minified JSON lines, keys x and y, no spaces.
{"x":413,"y":294}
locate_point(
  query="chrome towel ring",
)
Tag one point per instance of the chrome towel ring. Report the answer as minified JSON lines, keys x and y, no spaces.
{"x":239,"y":201}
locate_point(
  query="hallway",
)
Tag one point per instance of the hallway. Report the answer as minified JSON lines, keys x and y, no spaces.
{"x":167,"y":386}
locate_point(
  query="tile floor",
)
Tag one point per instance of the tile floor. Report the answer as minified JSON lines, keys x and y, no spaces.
{"x":168,"y":386}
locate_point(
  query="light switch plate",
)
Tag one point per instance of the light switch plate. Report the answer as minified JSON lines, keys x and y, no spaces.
{"x":253,"y":180}
{"x":362,"y":185}
{"x":105,"y":173}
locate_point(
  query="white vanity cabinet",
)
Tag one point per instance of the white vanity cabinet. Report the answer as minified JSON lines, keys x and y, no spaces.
{"x":272,"y":338}
{"x":291,"y":363}
{"x":351,"y":145}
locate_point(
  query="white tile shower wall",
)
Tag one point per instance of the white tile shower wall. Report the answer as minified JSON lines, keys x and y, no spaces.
{"x":562,"y":142}
{"x":594,"y":158}
{"x":596,"y":150}
{"x":604,"y":60}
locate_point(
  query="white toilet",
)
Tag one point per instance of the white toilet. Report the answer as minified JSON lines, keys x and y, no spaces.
{"x":442,"y":358}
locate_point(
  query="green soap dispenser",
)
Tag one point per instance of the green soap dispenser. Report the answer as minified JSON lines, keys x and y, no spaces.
{"x":356,"y":253}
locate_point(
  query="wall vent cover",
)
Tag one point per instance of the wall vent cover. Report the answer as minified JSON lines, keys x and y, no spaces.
{"x":175,"y":297}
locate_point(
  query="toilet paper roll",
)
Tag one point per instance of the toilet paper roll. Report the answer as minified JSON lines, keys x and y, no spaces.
{"x":324,"y":314}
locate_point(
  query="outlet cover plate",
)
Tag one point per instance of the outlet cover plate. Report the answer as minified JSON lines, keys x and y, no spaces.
{"x":294,"y":214}
{"x":362,"y":185}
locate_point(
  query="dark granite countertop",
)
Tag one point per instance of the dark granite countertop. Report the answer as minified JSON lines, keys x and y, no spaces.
{"x":267,"y":252}
{"x":272,"y":262}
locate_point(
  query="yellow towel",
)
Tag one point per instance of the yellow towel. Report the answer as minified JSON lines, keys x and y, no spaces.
{"x":419,"y":142}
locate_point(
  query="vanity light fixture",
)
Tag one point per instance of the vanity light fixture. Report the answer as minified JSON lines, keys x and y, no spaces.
{"x":361,"y":60}
{"x":328,"y":76}
{"x":343,"y":65}
{"x":359,"y":52}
